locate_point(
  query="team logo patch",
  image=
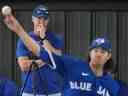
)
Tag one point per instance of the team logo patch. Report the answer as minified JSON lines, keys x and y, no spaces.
{"x":100,"y":41}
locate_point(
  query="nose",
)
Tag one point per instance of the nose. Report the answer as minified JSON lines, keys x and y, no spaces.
{"x":38,"y":22}
{"x":98,"y":54}
{"x":39,"y":25}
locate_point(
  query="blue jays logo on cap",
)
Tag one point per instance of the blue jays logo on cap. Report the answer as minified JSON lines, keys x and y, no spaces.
{"x":101,"y":42}
{"x":40,"y":11}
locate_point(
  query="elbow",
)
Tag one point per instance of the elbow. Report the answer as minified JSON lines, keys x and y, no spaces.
{"x":35,"y":49}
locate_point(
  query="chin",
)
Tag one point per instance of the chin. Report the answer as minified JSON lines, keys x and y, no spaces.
{"x":98,"y":63}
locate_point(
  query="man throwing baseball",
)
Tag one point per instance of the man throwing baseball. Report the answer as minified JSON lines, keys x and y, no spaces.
{"x":43,"y":80}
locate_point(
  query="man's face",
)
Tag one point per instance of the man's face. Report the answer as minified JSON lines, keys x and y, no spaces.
{"x":99,"y":56}
{"x":40,"y":26}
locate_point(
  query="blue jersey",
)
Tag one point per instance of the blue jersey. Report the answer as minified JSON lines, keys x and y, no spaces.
{"x":55,"y":40}
{"x":79,"y":80}
{"x":123,"y":88}
{"x":46,"y":80}
{"x":7,"y":87}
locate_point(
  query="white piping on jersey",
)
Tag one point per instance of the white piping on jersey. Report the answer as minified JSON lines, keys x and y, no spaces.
{"x":53,"y":66}
{"x":84,"y":74}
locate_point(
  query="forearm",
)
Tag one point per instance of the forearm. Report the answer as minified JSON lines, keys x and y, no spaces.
{"x":26,"y":63}
{"x":16,"y":27}
{"x":29,"y":42}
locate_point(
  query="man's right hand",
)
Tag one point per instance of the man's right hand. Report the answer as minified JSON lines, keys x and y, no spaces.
{"x":13,"y":24}
{"x":25,"y":62}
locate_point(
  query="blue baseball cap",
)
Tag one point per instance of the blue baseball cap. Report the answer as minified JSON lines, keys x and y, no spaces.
{"x":101,"y":42}
{"x":40,"y":11}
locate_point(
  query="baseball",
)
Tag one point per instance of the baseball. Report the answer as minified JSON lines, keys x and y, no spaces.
{"x":6,"y":10}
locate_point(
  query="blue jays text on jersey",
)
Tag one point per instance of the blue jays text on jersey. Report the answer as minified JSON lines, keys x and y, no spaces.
{"x":50,"y":79}
{"x":79,"y":80}
{"x":87,"y":86}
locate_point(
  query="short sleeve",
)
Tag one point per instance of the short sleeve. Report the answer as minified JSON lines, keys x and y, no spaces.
{"x":21,"y":49}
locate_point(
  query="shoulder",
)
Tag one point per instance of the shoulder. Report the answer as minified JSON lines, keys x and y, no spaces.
{"x":73,"y":59}
{"x":54,"y":35}
{"x":55,"y":39}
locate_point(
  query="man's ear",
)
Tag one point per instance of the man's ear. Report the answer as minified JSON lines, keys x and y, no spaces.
{"x":46,"y":22}
{"x":109,"y":56}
